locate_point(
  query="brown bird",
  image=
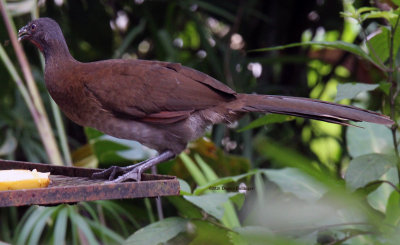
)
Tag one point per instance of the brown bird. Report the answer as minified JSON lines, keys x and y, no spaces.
{"x":162,"y":105}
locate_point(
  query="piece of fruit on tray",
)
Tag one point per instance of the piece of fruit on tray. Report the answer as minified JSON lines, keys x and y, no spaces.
{"x":16,"y":179}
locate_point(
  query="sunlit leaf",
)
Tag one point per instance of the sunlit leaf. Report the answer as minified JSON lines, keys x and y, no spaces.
{"x":367,"y":168}
{"x":294,"y":181}
{"x":378,"y":199}
{"x":212,"y":203}
{"x":351,"y":90}
{"x":393,"y":209}
{"x":159,"y":232}
{"x":378,"y":14}
{"x":371,"y":138}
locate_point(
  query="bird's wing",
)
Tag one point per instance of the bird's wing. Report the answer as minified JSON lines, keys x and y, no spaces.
{"x":155,"y":92}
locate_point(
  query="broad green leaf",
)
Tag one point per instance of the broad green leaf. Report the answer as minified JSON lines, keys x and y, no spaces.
{"x":351,"y":90}
{"x":393,"y":209}
{"x":371,"y":138}
{"x":238,"y":199}
{"x":294,"y":181}
{"x":184,"y":208}
{"x":367,"y":168}
{"x":158,"y":232}
{"x":380,"y":43}
{"x":397,"y":2}
{"x":378,"y":199}
{"x":254,"y":234}
{"x":349,"y":47}
{"x":385,"y":87}
{"x":267,"y":119}
{"x":211,"y":203}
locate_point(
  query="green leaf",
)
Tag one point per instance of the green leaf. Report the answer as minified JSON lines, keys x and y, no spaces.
{"x":378,"y":199}
{"x":365,"y":9}
{"x":28,"y":225}
{"x":208,"y":172}
{"x":211,"y":203}
{"x":294,"y":181}
{"x":158,"y":232}
{"x":185,"y":209}
{"x":238,"y":199}
{"x":351,"y":90}
{"x":393,"y":209}
{"x":82,"y":225}
{"x":349,"y":47}
{"x":40,"y":224}
{"x":193,"y":169}
{"x":367,"y":168}
{"x":385,"y":87}
{"x":397,"y":2}
{"x":378,"y":14}
{"x":380,"y":43}
{"x":60,"y":227}
{"x":371,"y":138}
{"x":221,"y":181}
{"x":184,"y":187}
{"x":267,"y":119}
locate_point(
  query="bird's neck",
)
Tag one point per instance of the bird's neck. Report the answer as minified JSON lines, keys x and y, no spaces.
{"x":56,"y":50}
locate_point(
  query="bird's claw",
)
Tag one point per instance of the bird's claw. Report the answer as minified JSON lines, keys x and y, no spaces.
{"x":134,"y":174}
{"x":109,"y":173}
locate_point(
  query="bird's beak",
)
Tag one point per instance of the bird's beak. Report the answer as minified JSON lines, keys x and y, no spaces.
{"x":23,"y":33}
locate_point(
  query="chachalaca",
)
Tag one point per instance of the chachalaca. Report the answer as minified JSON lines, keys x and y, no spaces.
{"x":160,"y":104}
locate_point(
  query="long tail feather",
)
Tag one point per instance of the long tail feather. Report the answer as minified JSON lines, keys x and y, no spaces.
{"x":312,"y":109}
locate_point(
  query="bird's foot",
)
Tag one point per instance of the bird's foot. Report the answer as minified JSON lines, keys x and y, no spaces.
{"x":114,"y":172}
{"x":118,"y":174}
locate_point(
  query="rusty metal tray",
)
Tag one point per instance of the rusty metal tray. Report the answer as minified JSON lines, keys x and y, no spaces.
{"x":72,"y":184}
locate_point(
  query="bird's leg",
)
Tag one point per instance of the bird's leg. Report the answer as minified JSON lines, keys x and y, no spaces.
{"x":136,"y":172}
{"x":133,"y":171}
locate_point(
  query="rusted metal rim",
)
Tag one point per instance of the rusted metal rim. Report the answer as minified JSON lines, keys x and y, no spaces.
{"x":72,"y":184}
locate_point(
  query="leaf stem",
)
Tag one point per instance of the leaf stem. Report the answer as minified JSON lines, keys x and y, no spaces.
{"x":393,"y":88}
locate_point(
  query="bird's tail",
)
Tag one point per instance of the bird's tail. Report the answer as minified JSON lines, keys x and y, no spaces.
{"x":312,"y":109}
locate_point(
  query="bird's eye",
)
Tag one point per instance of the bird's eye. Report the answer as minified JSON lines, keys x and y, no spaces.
{"x":33,"y":27}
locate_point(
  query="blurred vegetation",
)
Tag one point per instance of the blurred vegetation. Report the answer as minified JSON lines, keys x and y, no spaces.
{"x":307,"y":182}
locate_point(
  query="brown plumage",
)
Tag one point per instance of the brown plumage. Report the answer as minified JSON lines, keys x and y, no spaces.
{"x":162,"y":105}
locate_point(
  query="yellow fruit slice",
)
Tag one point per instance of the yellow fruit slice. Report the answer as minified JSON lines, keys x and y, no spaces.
{"x":17,"y":179}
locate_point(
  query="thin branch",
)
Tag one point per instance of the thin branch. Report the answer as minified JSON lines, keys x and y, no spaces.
{"x":384,"y":181}
{"x":393,"y":88}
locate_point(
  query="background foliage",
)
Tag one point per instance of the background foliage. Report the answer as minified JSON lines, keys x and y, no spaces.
{"x":307,"y":182}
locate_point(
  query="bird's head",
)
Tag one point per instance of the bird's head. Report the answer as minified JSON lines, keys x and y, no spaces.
{"x":41,"y":32}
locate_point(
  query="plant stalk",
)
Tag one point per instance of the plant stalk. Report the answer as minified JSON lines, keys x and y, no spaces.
{"x":38,"y":112}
